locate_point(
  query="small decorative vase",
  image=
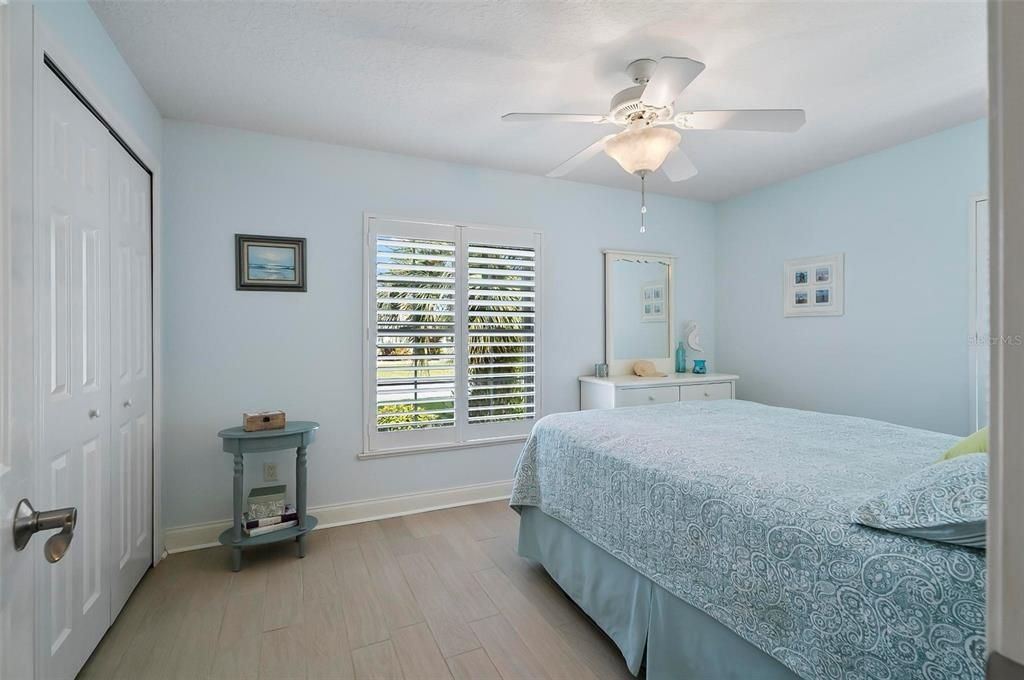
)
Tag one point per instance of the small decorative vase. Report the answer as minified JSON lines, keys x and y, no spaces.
{"x":700,"y":366}
{"x":680,"y":358}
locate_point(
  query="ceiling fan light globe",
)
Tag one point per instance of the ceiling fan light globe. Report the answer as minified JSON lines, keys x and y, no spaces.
{"x":642,"y":149}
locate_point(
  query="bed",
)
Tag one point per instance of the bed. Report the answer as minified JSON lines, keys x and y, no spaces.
{"x":713,"y":540}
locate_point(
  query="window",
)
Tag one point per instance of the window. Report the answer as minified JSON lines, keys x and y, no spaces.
{"x":980,"y":331}
{"x":451,"y":351}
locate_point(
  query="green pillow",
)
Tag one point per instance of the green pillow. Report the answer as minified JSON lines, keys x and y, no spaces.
{"x":976,"y":443}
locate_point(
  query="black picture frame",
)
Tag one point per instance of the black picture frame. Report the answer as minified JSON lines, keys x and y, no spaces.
{"x":283,"y":272}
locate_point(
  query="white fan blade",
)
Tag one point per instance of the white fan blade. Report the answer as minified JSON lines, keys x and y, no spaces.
{"x":554,"y":118}
{"x":670,"y":78}
{"x":761,"y":120}
{"x":580,"y":158}
{"x":678,"y":166}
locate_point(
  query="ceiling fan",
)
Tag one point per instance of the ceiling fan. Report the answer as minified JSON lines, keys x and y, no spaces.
{"x":648,"y":114}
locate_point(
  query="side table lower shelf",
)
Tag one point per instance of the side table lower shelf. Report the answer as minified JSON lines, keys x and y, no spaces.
{"x":227,"y":538}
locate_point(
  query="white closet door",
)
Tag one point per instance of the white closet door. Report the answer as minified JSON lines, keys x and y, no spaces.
{"x":73,"y":277}
{"x":131,"y":376}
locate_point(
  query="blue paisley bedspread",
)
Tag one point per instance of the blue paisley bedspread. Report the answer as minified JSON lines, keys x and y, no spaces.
{"x":743,"y":511}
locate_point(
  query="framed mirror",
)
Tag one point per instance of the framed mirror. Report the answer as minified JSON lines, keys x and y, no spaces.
{"x":638,"y":310}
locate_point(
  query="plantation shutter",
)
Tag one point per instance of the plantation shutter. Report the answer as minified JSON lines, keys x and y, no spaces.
{"x":501,"y":333}
{"x":416,"y":333}
{"x":452,"y":334}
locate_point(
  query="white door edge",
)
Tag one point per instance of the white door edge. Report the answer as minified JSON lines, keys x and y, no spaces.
{"x":17,"y":452}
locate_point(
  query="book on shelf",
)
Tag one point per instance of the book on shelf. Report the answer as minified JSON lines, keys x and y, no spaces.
{"x":250,"y":522}
{"x":259,"y":531}
{"x":267,"y":501}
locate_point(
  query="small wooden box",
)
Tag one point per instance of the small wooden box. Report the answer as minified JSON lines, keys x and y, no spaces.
{"x":263,"y":420}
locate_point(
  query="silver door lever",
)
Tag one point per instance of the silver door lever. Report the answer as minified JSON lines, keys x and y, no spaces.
{"x":27,"y":521}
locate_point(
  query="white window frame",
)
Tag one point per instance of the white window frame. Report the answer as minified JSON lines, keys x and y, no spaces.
{"x":463,"y":435}
{"x":979,"y":348}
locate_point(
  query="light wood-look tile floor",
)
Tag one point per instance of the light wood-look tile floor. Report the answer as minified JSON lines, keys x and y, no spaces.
{"x":435,"y":596}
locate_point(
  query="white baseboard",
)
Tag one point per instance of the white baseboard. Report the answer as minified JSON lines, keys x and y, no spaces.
{"x":196,"y":536}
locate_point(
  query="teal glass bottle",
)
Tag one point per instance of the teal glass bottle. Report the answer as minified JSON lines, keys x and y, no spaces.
{"x":680,"y":358}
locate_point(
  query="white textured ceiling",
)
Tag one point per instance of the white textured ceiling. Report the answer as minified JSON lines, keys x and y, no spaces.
{"x":432,"y":78}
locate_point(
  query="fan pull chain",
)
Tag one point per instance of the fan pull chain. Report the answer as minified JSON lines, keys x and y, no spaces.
{"x":643,"y":202}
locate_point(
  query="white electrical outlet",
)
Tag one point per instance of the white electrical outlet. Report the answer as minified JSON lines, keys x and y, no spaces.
{"x":270,"y":472}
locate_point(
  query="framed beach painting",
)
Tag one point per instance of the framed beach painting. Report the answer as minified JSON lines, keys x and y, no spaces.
{"x":813,"y":286}
{"x":270,"y":263}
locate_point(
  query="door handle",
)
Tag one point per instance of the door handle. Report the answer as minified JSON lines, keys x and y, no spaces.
{"x":27,"y":521}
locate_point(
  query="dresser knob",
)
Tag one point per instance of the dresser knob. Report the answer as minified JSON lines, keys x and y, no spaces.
{"x":706,"y":395}
{"x":650,"y":397}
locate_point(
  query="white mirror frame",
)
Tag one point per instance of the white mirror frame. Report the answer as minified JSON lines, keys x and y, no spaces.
{"x":664,"y":364}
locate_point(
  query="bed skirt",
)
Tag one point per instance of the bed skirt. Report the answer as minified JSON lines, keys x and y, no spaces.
{"x":645,"y":621}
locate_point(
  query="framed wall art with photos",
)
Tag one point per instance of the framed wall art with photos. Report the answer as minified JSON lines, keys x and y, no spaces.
{"x":813,"y":286}
{"x":653,"y":304}
{"x":270,"y":263}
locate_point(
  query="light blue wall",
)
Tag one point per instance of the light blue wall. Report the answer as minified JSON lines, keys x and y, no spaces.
{"x":227,"y":351}
{"x":82,"y":34}
{"x":902,"y":216}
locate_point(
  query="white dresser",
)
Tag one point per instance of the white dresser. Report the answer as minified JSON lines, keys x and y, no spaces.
{"x":629,"y":390}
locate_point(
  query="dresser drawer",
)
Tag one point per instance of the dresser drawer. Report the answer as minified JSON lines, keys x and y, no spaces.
{"x":646,"y":395}
{"x":706,"y":392}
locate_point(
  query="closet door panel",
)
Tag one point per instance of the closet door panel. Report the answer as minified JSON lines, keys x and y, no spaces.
{"x":72,"y":247}
{"x":131,"y":392}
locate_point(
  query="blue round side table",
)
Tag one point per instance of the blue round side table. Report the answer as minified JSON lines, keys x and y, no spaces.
{"x":295,"y":435}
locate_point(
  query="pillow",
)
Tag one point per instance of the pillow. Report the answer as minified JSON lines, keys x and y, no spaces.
{"x":976,"y":443}
{"x":945,"y":502}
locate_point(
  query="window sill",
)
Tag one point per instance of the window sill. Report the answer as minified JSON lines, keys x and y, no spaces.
{"x":436,"y":448}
